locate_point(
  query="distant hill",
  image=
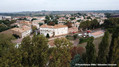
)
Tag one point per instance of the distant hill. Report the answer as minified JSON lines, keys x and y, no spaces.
{"x":42,"y":13}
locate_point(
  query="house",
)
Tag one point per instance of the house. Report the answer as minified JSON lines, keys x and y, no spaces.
{"x":56,"y":30}
{"x":40,"y":18}
{"x":27,"y":23}
{"x":73,"y":30}
{"x":6,"y":17}
{"x":22,"y":32}
{"x":36,"y":25}
{"x":0,"y":17}
{"x":97,"y":34}
{"x":38,"y":21}
{"x":77,"y":24}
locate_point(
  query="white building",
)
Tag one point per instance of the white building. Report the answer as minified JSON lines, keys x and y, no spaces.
{"x":0,"y":17}
{"x":6,"y":17}
{"x":97,"y":34}
{"x":56,"y":30}
{"x":22,"y":32}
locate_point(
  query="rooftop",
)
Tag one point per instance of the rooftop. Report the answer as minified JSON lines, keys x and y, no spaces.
{"x":56,"y":26}
{"x":23,"y":29}
{"x":97,"y":33}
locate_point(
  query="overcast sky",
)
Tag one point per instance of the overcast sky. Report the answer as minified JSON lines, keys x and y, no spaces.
{"x":57,"y":5}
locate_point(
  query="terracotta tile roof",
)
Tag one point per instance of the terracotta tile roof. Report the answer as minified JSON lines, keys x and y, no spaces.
{"x":25,"y":23}
{"x":46,"y":26}
{"x":59,"y":26}
{"x":56,"y":26}
{"x":73,"y":29}
{"x":23,"y":29}
{"x":97,"y":33}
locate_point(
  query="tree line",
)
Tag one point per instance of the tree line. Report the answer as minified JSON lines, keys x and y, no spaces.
{"x":6,"y":24}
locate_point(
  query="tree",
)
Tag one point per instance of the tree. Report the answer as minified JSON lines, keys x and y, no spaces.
{"x":85,"y":25}
{"x":51,"y":23}
{"x":108,"y":15}
{"x":55,"y":21}
{"x":103,"y":49}
{"x":111,"y":24}
{"x":89,"y":24}
{"x":114,"y":48}
{"x":47,"y":21}
{"x":34,"y":51}
{"x":47,"y":17}
{"x":88,"y":17}
{"x":48,"y":36}
{"x":61,"y":56}
{"x":69,"y":24}
{"x":5,"y":43}
{"x":94,"y":24}
{"x":9,"y":55}
{"x":75,"y":36}
{"x":73,"y":18}
{"x":76,"y":50}
{"x":33,"y":19}
{"x":77,"y":60}
{"x":12,"y":58}
{"x":34,"y":28}
{"x":90,"y":52}
{"x":115,"y":54}
{"x":40,"y":43}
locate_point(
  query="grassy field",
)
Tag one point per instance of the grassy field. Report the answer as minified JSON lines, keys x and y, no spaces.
{"x":96,"y":43}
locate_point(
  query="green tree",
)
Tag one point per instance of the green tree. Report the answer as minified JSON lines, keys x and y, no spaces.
{"x":108,"y":15}
{"x":33,"y":19}
{"x":77,"y":60}
{"x":94,"y":24}
{"x":34,"y":28}
{"x":114,"y":48}
{"x":75,"y":36}
{"x":9,"y":55}
{"x":34,"y":51}
{"x":61,"y":55}
{"x":88,"y":17}
{"x":73,"y":18}
{"x":90,"y":52}
{"x":12,"y":58}
{"x":85,"y":25}
{"x":103,"y":49}
{"x":47,"y":21}
{"x":55,"y":21}
{"x":40,"y":51}
{"x":47,"y":17}
{"x":5,"y":43}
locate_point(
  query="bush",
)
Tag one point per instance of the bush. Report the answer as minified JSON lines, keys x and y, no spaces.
{"x":69,"y":37}
{"x":83,"y":40}
{"x":75,"y":36}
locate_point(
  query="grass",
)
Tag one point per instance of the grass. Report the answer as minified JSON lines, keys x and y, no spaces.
{"x":96,"y":43}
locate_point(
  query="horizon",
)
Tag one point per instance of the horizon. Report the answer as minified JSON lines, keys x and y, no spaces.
{"x":56,"y":5}
{"x":59,"y":10}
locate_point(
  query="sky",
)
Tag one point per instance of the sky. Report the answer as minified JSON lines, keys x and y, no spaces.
{"x":57,"y":5}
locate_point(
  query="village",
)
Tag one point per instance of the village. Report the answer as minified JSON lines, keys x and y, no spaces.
{"x":59,"y":33}
{"x":55,"y":26}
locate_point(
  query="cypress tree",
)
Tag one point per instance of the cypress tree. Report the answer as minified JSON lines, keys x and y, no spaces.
{"x":103,"y":49}
{"x":90,"y":52}
{"x":113,"y":56}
